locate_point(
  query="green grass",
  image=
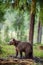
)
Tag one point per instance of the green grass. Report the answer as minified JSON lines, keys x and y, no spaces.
{"x":37,"y":52}
{"x":8,"y":50}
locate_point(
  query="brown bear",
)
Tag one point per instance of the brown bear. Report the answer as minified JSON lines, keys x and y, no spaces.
{"x":25,"y":47}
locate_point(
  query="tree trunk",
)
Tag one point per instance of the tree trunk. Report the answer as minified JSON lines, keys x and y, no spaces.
{"x":18,"y":34}
{"x":40,"y":23}
{"x":6,"y":34}
{"x":31,"y":32}
{"x":39,"y":32}
{"x":32,"y":22}
{"x":0,"y":37}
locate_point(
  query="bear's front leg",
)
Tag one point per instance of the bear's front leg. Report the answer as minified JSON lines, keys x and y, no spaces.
{"x":21,"y":54}
{"x":16,"y":52}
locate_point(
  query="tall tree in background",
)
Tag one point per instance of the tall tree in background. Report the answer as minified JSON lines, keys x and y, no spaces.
{"x":32,"y":21}
{"x":6,"y":34}
{"x":40,"y":22}
{"x":39,"y":37}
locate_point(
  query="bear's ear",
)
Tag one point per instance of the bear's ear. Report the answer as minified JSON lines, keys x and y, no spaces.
{"x":13,"y":39}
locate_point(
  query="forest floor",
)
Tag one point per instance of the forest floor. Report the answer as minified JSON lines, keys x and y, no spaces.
{"x":17,"y":61}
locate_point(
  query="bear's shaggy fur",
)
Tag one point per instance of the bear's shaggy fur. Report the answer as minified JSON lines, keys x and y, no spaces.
{"x":25,"y":47}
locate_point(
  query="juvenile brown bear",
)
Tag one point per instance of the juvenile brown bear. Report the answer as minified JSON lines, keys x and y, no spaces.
{"x":22,"y":47}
